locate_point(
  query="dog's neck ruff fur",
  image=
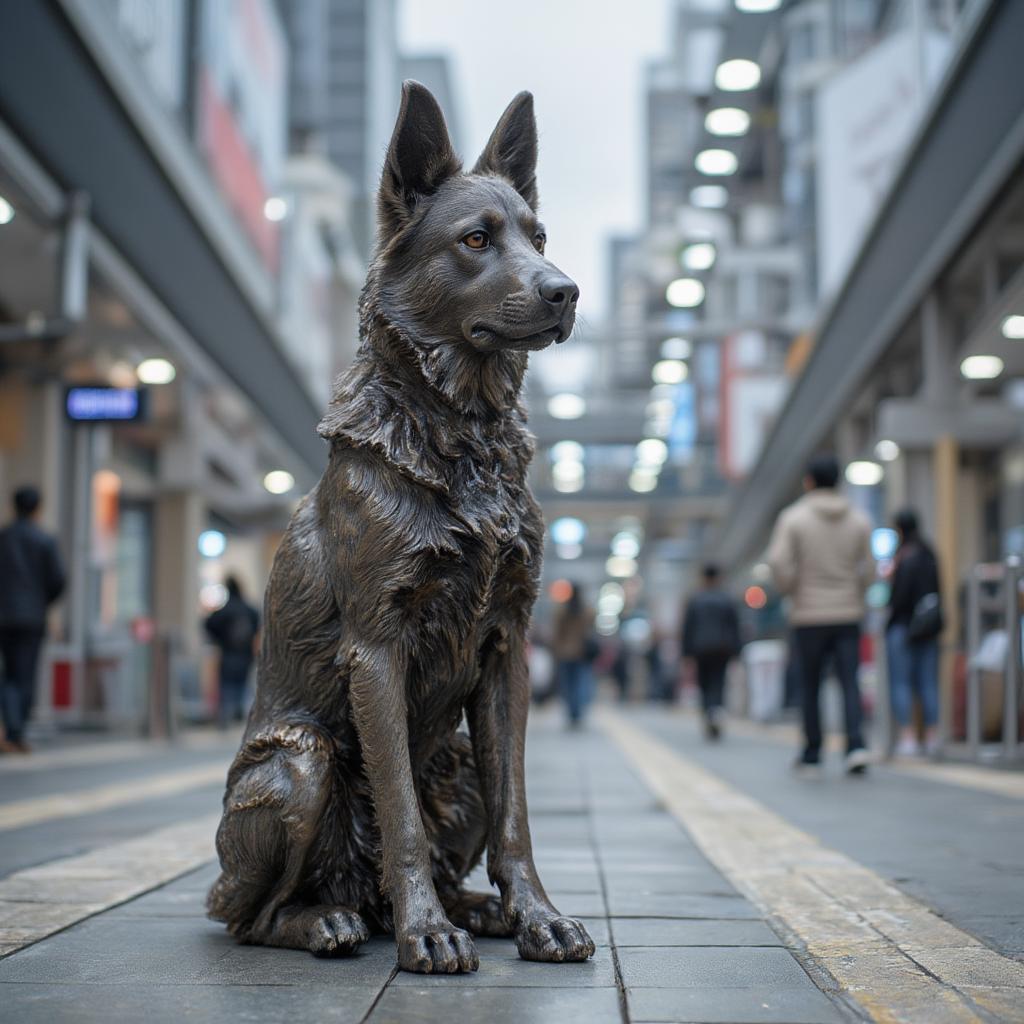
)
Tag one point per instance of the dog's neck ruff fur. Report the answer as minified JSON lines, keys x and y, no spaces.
{"x":431,"y":409}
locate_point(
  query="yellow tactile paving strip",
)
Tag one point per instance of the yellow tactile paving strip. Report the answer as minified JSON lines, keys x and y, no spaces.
{"x":39,"y":901}
{"x":21,"y":813}
{"x":889,"y":954}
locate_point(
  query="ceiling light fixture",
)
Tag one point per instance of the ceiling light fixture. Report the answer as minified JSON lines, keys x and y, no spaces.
{"x":685,"y":293}
{"x":729,"y":122}
{"x":737,"y":75}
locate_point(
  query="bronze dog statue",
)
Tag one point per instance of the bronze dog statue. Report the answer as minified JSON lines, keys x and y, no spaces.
{"x":401,"y":593}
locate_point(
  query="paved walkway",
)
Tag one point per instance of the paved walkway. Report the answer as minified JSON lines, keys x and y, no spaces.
{"x":717,"y":888}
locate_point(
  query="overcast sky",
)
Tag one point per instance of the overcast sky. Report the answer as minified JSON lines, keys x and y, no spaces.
{"x":583,"y":61}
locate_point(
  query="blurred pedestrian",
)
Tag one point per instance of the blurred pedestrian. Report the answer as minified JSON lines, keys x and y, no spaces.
{"x":912,"y":636}
{"x":820,"y":555}
{"x":575,"y":647}
{"x":711,"y":639}
{"x":31,"y":579}
{"x":234,"y":627}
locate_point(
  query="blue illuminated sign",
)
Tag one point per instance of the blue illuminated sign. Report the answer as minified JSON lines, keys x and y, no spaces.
{"x":104,"y":405}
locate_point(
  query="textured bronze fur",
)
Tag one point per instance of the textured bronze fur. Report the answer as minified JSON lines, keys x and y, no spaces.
{"x":401,"y":593}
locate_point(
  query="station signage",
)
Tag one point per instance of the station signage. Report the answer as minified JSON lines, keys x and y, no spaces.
{"x":100,"y":404}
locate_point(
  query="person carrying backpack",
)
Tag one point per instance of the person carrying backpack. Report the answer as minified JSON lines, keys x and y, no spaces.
{"x":912,"y":636}
{"x":234,"y":628}
{"x":711,"y":638}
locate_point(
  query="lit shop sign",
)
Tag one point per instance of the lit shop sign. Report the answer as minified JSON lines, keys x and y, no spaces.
{"x":105,"y":405}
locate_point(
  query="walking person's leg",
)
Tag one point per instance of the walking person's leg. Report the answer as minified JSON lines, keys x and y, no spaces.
{"x":21,"y":658}
{"x":900,"y":687}
{"x":809,"y":643}
{"x":711,"y":672}
{"x":846,"y":646}
{"x":928,"y":676}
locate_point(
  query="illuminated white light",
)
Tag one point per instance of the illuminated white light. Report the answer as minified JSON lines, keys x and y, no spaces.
{"x":568,"y":530}
{"x":1013,"y":326}
{"x":155,"y":371}
{"x":727,"y":121}
{"x":651,"y":452}
{"x":669,"y":371}
{"x":864,"y":473}
{"x":884,"y":542}
{"x":716,"y":162}
{"x":606,"y":624}
{"x":758,"y":6}
{"x":620,"y":567}
{"x":567,"y":469}
{"x":887,"y":451}
{"x":699,"y":256}
{"x":566,"y":406}
{"x":737,"y":75}
{"x":567,"y":552}
{"x":611,"y":588}
{"x":213,"y":596}
{"x":567,"y":451}
{"x":569,"y":486}
{"x":981,"y":367}
{"x":709,"y":197}
{"x":676,"y":348}
{"x":643,"y":480}
{"x":685,"y":292}
{"x":212,"y":543}
{"x":6,"y":211}
{"x":762,"y":572}
{"x":625,"y":545}
{"x":275,"y":208}
{"x":279,"y":481}
{"x":610,"y":604}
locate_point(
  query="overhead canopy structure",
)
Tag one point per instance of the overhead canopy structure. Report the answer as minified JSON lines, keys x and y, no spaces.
{"x":969,"y":147}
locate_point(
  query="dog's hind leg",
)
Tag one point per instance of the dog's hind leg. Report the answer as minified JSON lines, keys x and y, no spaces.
{"x":278,"y":790}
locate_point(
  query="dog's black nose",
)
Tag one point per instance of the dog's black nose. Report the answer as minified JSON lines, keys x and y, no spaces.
{"x":559,"y":292}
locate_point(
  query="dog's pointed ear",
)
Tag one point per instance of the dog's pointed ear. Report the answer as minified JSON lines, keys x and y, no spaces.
{"x":511,"y":150}
{"x":420,"y":157}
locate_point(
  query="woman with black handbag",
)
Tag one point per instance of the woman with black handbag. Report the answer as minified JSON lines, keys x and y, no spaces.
{"x":912,"y":637}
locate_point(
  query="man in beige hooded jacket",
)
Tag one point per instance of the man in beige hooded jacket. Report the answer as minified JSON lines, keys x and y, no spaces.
{"x":820,"y":556}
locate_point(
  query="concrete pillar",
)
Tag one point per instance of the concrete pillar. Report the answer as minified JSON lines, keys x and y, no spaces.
{"x":179,"y":519}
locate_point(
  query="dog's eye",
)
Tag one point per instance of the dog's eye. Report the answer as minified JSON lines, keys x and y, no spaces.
{"x":477,"y":240}
{"x":539,"y":241}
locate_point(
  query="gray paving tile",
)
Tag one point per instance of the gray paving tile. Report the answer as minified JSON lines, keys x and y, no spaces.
{"x":660,"y":931}
{"x":731,"y":1006}
{"x":412,"y":1005}
{"x":711,"y":967}
{"x":725,"y":906}
{"x":502,"y":967}
{"x":171,"y":1004}
{"x":578,"y":904}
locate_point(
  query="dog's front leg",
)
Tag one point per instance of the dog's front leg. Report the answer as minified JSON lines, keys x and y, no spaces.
{"x":427,"y":941}
{"x":497,"y":719}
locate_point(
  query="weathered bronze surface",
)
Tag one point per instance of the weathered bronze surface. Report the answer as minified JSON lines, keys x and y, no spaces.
{"x":401,"y":593}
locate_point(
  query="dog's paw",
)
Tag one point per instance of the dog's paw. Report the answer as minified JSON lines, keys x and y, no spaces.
{"x":480,"y":914}
{"x":337,"y":932}
{"x":554,"y":940}
{"x":323,"y":930}
{"x":444,"y":950}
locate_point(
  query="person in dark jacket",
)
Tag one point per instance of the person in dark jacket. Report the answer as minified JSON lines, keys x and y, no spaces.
{"x":234,"y":628}
{"x":912,"y":636}
{"x":711,"y":638}
{"x":31,"y":579}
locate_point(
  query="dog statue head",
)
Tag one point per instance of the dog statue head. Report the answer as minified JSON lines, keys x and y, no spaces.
{"x":459,"y":268}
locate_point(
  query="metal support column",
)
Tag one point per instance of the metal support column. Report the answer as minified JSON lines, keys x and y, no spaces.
{"x":1012,"y":675}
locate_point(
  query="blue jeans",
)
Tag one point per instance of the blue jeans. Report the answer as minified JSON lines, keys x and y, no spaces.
{"x":576,"y":683}
{"x":913,"y":669}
